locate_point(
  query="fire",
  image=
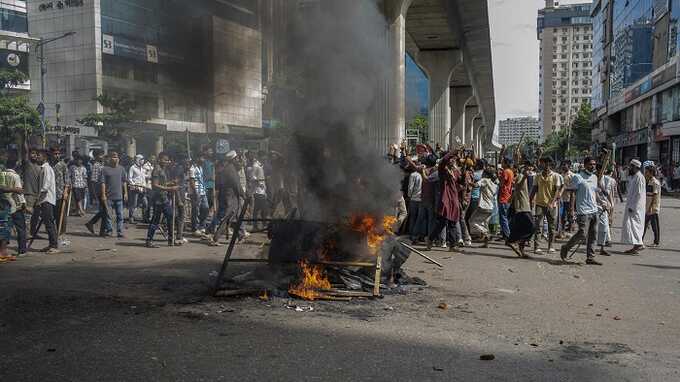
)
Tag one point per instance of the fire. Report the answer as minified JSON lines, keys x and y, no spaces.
{"x":375,"y":233}
{"x":313,"y":279}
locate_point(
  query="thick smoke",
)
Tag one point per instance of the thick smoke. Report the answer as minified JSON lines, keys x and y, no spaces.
{"x":340,"y":49}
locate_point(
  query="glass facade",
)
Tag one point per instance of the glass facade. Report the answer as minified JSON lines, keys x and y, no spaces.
{"x":13,"y":21}
{"x":599,"y":69}
{"x":633,"y":42}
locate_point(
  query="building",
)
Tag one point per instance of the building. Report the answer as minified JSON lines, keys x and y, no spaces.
{"x":565,"y":33}
{"x":14,"y":40}
{"x":187,"y":66}
{"x":636,"y":92}
{"x":511,"y":130}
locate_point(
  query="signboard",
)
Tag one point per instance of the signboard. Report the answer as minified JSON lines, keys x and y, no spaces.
{"x":61,"y":4}
{"x":68,"y":130}
{"x":10,"y":59}
{"x":152,"y":54}
{"x":108,"y":44}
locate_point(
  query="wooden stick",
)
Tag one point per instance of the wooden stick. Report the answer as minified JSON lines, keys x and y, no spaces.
{"x":346,"y":263}
{"x":333,"y":298}
{"x":236,"y":292}
{"x":378,"y":273}
{"x":61,"y":212}
{"x":346,"y":293}
{"x":417,"y":252}
{"x":172,"y":225}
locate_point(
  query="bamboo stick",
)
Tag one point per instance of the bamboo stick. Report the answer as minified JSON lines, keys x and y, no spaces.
{"x":417,"y":252}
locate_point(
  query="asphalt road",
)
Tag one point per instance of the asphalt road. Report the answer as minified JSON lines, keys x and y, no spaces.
{"x":109,"y":310}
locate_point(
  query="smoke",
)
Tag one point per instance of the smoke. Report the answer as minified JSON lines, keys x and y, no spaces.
{"x":341,"y":51}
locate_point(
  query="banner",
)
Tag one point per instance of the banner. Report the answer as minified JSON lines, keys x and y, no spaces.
{"x":11,"y":59}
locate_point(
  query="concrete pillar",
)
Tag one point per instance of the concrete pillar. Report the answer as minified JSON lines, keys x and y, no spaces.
{"x":131,"y":147}
{"x":439,"y":66}
{"x":459,"y":97}
{"x":470,"y":114}
{"x":396,"y":119}
{"x":159,"y":144}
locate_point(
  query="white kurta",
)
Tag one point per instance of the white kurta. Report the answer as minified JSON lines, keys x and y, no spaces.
{"x":634,"y":222}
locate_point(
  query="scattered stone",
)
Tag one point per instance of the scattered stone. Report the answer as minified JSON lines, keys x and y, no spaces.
{"x":435,"y":368}
{"x":617,"y":318}
{"x":534,"y":345}
{"x":51,"y":350}
{"x":510,"y":270}
{"x":598,"y":315}
{"x":577,"y":276}
{"x":443,"y":306}
{"x":561,"y":342}
{"x":487,"y":357}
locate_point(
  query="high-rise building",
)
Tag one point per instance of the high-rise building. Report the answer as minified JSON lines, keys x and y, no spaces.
{"x":511,"y":130}
{"x":14,"y":40}
{"x":636,"y":82}
{"x":565,"y":80}
{"x":187,"y":66}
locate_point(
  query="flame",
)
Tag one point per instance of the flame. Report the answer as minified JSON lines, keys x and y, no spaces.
{"x":313,"y":278}
{"x":375,"y":233}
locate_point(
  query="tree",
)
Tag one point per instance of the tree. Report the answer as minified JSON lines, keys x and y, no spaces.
{"x":18,"y":118}
{"x":581,"y":138}
{"x":420,"y":124}
{"x":114,"y":122}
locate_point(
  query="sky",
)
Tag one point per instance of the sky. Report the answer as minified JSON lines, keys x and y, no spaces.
{"x":514,"y":47}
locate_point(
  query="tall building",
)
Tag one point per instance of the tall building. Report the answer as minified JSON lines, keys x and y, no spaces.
{"x":511,"y":130}
{"x":565,"y":80}
{"x":636,"y":92}
{"x":188,"y":66}
{"x":14,"y":40}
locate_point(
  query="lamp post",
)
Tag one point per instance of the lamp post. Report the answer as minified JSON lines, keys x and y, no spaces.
{"x":43,"y":70}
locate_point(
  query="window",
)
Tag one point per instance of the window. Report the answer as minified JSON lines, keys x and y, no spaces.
{"x":13,"y":21}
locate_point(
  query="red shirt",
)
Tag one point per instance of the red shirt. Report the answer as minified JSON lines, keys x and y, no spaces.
{"x":505,"y":193}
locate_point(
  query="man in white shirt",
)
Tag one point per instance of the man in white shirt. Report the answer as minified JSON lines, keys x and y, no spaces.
{"x":633,"y":228}
{"x":257,"y":187}
{"x":415,"y":210}
{"x":47,"y":200}
{"x":136,"y":187}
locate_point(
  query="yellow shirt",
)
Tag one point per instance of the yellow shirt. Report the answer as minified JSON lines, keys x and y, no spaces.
{"x":547,"y":188}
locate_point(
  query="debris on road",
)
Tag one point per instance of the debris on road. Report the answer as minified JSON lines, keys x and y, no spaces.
{"x":443,"y":306}
{"x":487,"y":357}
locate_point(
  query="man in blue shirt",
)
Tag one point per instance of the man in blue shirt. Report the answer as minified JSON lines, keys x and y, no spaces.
{"x":586,"y":184}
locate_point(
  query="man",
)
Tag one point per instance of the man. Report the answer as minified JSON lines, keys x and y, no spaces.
{"x":113,"y":181}
{"x":78,"y":175}
{"x":507,"y":177}
{"x":257,"y":188}
{"x":30,"y":173}
{"x":567,"y":200}
{"x":545,"y":194}
{"x":414,"y":193}
{"x":480,"y":165}
{"x":47,"y":200}
{"x":148,"y":170}
{"x":199,"y":198}
{"x":229,"y":191}
{"x":12,"y":191}
{"x":179,"y":175}
{"x":162,"y":186}
{"x":586,"y":185}
{"x":209,"y":176}
{"x":448,"y":205}
{"x":522,"y":226}
{"x":62,"y":181}
{"x":676,"y":177}
{"x":653,"y":205}
{"x":634,"y":216}
{"x":137,"y":187}
{"x":605,"y":201}
{"x":95,"y":192}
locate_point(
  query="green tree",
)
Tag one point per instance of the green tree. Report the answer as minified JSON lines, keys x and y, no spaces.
{"x":114,"y":122}
{"x":581,"y":138}
{"x":18,"y":118}
{"x":420,"y":124}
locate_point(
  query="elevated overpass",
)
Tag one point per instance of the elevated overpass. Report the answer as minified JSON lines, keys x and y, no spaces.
{"x":450,"y":41}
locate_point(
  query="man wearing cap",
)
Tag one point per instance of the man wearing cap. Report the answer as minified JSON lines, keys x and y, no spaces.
{"x":634,"y":215}
{"x":136,"y":187}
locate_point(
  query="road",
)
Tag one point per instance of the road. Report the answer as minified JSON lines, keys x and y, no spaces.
{"x":110,"y":310}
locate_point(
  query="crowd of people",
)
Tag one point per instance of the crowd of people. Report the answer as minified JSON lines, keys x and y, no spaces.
{"x":447,"y":199}
{"x":41,"y":188}
{"x":454,"y":197}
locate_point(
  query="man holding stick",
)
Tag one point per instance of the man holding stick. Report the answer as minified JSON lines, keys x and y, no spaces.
{"x":162,"y":187}
{"x":62,"y":181}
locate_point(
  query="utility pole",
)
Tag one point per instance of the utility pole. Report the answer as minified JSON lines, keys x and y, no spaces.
{"x":43,"y":71}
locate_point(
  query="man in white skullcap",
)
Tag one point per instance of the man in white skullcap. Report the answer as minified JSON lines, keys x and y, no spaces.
{"x":634,"y":216}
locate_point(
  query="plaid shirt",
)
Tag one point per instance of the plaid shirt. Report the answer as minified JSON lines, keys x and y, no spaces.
{"x":79,"y":177}
{"x":62,"y":178}
{"x":96,"y":172}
